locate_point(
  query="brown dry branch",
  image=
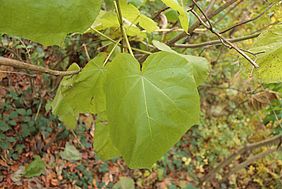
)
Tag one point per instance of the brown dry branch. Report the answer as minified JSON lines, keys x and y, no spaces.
{"x":221,"y":38}
{"x":248,"y":21}
{"x":210,"y":15}
{"x":22,"y":65}
{"x":232,"y":8}
{"x":216,"y":42}
{"x":251,"y":160}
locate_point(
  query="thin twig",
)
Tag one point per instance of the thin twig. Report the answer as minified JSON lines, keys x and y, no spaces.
{"x":209,"y":8}
{"x":38,"y":110}
{"x":252,"y":53}
{"x":192,"y":28}
{"x":26,"y":66}
{"x":12,"y":51}
{"x":267,"y":26}
{"x":159,"y":12}
{"x":166,"y":30}
{"x":247,"y":148}
{"x":113,"y":41}
{"x":197,"y":23}
{"x":221,"y":17}
{"x":216,"y":42}
{"x":251,"y":160}
{"x":247,"y":21}
{"x":77,"y":139}
{"x":86,"y":51}
{"x":112,"y":51}
{"x":103,"y":35}
{"x":224,"y":41}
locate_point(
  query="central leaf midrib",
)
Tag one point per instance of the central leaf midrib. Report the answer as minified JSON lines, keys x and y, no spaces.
{"x":146,"y":108}
{"x":165,"y":95}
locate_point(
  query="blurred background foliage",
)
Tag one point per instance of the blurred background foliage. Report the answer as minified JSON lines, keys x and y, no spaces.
{"x":236,"y":109}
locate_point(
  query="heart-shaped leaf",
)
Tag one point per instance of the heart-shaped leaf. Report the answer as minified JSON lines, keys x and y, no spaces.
{"x":150,"y":110}
{"x":47,"y":21}
{"x":82,"y":93}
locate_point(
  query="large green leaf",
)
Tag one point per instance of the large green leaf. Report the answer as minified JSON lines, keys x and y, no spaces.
{"x":82,"y":93}
{"x":200,"y":65}
{"x":150,"y":110}
{"x":47,"y":21}
{"x":269,"y":45}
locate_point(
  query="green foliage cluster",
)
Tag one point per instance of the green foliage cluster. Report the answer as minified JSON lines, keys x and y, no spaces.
{"x":146,"y":102}
{"x":83,"y":177}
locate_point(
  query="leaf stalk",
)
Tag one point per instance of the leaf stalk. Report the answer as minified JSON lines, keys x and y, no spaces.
{"x":119,"y":14}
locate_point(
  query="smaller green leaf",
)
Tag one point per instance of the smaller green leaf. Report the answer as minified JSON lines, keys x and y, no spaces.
{"x":124,"y":183}
{"x":129,"y":11}
{"x":106,"y":20}
{"x":132,"y":17}
{"x":183,"y":16}
{"x":4,"y":127}
{"x":136,"y":3}
{"x":134,"y":31}
{"x":82,"y":93}
{"x":12,"y":123}
{"x":4,"y":145}
{"x":11,"y":139}
{"x":148,"y":24}
{"x":21,"y":111}
{"x":65,"y":112}
{"x":70,"y":153}
{"x":162,"y":47}
{"x":184,"y":21}
{"x":35,"y":168}
{"x":171,"y":15}
{"x":13,"y":114}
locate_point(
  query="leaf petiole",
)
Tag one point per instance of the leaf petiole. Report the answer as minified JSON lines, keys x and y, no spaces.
{"x":112,"y":51}
{"x":118,"y":10}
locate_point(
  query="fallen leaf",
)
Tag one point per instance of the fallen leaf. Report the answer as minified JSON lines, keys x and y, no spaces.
{"x":35,"y":168}
{"x":71,"y":153}
{"x":124,"y":183}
